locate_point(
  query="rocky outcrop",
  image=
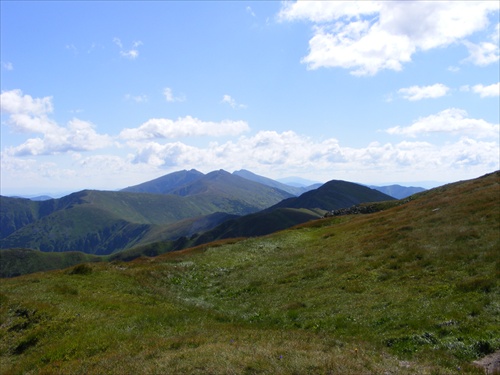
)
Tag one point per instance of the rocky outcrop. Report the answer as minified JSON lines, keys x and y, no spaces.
{"x":353,"y":210}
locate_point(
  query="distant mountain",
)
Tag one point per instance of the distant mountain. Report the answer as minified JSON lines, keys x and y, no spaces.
{"x":299,"y":182}
{"x":334,"y":195}
{"x":398,"y":191}
{"x":294,"y":190}
{"x":35,"y":198}
{"x":166,"y":184}
{"x":102,"y":222}
{"x":293,"y":211}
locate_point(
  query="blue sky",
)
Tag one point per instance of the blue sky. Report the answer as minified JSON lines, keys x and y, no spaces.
{"x":104,"y":95}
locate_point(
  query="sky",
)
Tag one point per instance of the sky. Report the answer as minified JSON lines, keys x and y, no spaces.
{"x":105,"y":95}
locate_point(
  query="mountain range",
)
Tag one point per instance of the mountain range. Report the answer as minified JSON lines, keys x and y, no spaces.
{"x":180,"y":209}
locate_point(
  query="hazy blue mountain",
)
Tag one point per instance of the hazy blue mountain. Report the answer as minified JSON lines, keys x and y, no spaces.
{"x":334,"y":195}
{"x":398,"y":191}
{"x":35,"y":197}
{"x":294,"y":190}
{"x":166,"y":184}
{"x":299,"y":181}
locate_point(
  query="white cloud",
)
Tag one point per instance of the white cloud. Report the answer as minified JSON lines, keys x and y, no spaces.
{"x":414,"y":93}
{"x":486,"y":52}
{"x":370,"y":36}
{"x":453,"y":121}
{"x":487,"y":91}
{"x":118,"y":42}
{"x":77,"y":136}
{"x":483,"y":53}
{"x":169,"y":96}
{"x":250,"y":11}
{"x":14,"y":101}
{"x":30,"y":115}
{"x":324,"y":11}
{"x":227,"y":99}
{"x":137,"y":98}
{"x":7,"y":66}
{"x":131,"y":53}
{"x":289,"y":153}
{"x":183,"y":127}
{"x":268,"y":153}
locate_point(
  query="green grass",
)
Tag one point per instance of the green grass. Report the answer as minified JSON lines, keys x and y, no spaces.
{"x":413,"y":289}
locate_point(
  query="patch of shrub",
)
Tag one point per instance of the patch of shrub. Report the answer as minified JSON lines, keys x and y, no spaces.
{"x":25,"y":344}
{"x":482,"y":348}
{"x":65,"y":289}
{"x":479,"y":284}
{"x":81,"y":269}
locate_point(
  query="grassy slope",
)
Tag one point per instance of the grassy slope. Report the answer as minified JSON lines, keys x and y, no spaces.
{"x":101,"y":222}
{"x":14,"y":262}
{"x":410,"y":290}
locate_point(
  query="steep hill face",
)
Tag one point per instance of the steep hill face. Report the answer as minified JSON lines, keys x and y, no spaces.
{"x":258,"y":224}
{"x":311,"y":205}
{"x":333,"y":195}
{"x":236,"y":194}
{"x":166,"y":184}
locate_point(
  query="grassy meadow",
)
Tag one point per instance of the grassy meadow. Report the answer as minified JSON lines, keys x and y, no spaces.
{"x":413,"y":289}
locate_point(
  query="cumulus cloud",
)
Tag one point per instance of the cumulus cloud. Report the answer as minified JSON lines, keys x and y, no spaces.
{"x":453,"y":121}
{"x":15,"y":102}
{"x":227,"y":99}
{"x":169,"y":96}
{"x":414,"y":93}
{"x":131,"y":53}
{"x":483,"y":53}
{"x":30,"y":115}
{"x":487,"y":91}
{"x":370,"y":36}
{"x":284,"y":153}
{"x":272,"y":152}
{"x":264,"y":148}
{"x":77,"y":136}
{"x":183,"y":127}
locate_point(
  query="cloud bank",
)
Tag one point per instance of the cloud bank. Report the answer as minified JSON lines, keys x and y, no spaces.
{"x":162,"y":145}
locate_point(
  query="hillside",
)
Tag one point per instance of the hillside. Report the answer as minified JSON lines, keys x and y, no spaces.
{"x":102,"y":222}
{"x":166,"y":184}
{"x":333,"y":195}
{"x":258,"y":224}
{"x":413,"y":289}
{"x":13,"y":262}
{"x":288,"y":213}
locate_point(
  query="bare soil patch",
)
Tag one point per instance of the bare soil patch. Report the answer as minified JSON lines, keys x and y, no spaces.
{"x":490,"y":363}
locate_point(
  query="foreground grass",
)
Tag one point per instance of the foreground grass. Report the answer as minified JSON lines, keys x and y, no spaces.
{"x":410,"y":290}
